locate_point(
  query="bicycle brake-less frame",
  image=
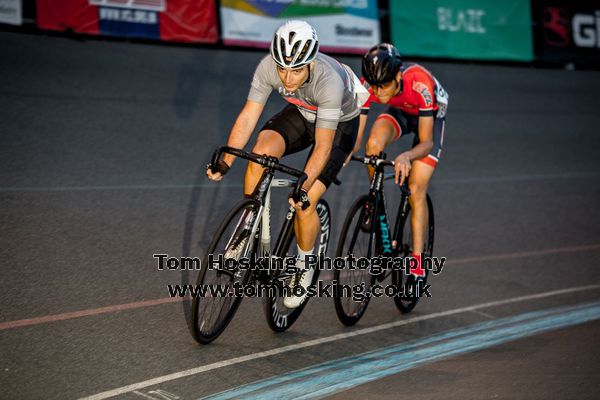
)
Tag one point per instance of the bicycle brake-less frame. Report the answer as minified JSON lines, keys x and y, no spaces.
{"x":380,"y":241}
{"x":278,"y":317}
{"x":380,"y":233}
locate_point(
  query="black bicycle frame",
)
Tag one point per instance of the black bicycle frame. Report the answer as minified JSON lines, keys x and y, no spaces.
{"x":381,"y":236}
{"x":270,"y":164}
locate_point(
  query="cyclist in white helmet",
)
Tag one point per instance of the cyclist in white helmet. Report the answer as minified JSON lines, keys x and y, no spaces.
{"x":323,"y":112}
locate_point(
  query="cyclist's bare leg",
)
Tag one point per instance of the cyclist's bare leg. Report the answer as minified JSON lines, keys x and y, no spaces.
{"x":306,"y":228}
{"x":418,"y":181}
{"x":307,"y":223}
{"x":382,"y":134}
{"x":269,"y":142}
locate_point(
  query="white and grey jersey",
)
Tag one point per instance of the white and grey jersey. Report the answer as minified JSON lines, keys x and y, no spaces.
{"x":333,"y":94}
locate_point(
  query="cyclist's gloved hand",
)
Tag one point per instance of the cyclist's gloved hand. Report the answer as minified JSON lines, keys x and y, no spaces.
{"x":216,"y":172}
{"x":300,"y":201}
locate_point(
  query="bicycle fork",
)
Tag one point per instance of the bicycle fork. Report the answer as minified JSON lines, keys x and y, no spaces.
{"x":265,"y":231}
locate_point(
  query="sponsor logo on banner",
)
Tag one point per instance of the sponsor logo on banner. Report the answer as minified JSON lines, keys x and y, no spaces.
{"x":586,"y":30}
{"x":352,"y":31}
{"x":133,"y":16}
{"x":138,"y":18}
{"x":557,"y":31}
{"x":469,"y":21}
{"x":149,"y":5}
{"x":562,"y":29}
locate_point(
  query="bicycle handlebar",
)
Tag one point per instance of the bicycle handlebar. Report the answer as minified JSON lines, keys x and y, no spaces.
{"x":378,"y":160}
{"x":372,"y":160}
{"x":264,"y":160}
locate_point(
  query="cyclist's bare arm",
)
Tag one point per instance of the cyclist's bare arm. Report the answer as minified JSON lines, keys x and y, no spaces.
{"x":320,"y":155}
{"x":403,"y":161}
{"x":240,"y":132}
{"x":362,"y":123}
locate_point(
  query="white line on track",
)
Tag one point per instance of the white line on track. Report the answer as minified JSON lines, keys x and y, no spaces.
{"x":328,"y":339}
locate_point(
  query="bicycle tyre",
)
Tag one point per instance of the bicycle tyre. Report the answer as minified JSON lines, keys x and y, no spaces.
{"x":348,"y":310}
{"x":198,"y":316}
{"x":279,"y":317}
{"x":407,"y":304}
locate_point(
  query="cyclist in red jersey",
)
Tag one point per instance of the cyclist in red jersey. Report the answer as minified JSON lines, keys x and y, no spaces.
{"x":417,"y":104}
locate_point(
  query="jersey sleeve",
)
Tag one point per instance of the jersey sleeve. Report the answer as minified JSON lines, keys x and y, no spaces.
{"x":367,"y":104}
{"x":424,"y":90}
{"x":261,"y":86}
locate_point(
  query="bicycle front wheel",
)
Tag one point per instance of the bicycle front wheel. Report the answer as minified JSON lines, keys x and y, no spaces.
{"x":408,"y":302}
{"x":215,"y":302}
{"x":353,"y":285}
{"x":279,"y":317}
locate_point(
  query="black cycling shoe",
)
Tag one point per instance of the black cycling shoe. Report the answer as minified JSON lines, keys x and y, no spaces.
{"x":413,"y":286}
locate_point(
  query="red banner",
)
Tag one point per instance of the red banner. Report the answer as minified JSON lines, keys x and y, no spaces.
{"x":169,"y":20}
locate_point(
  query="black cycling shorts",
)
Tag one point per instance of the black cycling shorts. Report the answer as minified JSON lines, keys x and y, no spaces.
{"x":405,"y":124}
{"x":299,"y":134}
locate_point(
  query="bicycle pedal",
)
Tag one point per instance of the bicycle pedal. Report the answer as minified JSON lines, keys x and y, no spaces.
{"x":365,"y":224}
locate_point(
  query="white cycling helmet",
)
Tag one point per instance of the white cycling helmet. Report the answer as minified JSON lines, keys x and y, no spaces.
{"x":295,"y":44}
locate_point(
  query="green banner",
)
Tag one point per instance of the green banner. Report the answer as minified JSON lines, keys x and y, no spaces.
{"x":469,"y":29}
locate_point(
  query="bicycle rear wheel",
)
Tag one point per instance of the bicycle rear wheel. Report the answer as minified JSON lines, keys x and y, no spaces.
{"x":354,"y":240}
{"x":279,"y":317}
{"x":399,"y":279}
{"x":213,"y":309}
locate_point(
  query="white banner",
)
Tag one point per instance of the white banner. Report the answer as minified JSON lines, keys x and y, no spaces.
{"x":346,"y":32}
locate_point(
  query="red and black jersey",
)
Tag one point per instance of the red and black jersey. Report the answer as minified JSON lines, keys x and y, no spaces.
{"x":417,"y":93}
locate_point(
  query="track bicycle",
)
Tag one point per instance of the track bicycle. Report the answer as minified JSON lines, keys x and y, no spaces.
{"x":245,"y":232}
{"x":366,"y":233}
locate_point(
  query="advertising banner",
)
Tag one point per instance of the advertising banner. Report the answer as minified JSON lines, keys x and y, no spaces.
{"x":170,"y":20}
{"x":468,"y":29}
{"x":11,"y":12}
{"x":568,"y":31}
{"x":342,"y":25}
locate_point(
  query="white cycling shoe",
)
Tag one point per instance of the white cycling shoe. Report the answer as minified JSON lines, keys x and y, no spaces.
{"x":302,"y":278}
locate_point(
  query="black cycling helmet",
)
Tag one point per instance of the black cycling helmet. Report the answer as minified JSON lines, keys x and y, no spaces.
{"x":381,"y":64}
